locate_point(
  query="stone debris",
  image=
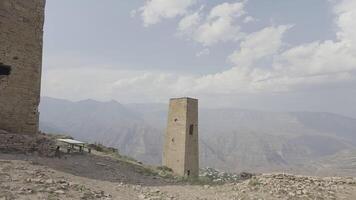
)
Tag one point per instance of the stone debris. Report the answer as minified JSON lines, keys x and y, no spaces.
{"x":154,"y":194}
{"x":285,"y":186}
{"x":260,"y":187}
{"x":223,"y":177}
{"x":39,"y":183}
{"x":29,"y":180}
{"x":19,"y":143}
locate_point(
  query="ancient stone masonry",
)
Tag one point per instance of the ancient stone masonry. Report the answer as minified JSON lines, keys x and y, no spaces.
{"x":21,"y":31}
{"x":22,"y":143}
{"x":181,"y":151}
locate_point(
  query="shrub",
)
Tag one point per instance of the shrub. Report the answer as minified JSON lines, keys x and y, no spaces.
{"x":164,"y":168}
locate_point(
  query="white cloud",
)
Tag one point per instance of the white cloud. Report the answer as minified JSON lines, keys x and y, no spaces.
{"x":263,"y":63}
{"x":76,"y":83}
{"x":335,"y":60}
{"x":249,"y":19}
{"x":316,"y":63}
{"x":258,"y":45}
{"x":218,"y":26}
{"x":155,"y":10}
{"x":227,"y":10}
{"x":346,"y":12}
{"x":203,"y":52}
{"x":317,"y":58}
{"x":189,"y":23}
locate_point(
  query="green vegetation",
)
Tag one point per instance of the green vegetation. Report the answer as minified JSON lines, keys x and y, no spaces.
{"x":165,"y":172}
{"x":254,"y":182}
{"x":164,"y":168}
{"x":101,"y":148}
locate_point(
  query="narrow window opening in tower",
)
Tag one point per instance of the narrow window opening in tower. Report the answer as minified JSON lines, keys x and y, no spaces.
{"x":191,"y":129}
{"x":188,"y":172}
{"x":5,"y":70}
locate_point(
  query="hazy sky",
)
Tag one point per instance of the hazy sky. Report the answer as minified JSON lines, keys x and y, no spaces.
{"x":256,"y":54}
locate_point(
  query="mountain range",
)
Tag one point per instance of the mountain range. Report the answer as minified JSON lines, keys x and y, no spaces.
{"x":231,"y":139}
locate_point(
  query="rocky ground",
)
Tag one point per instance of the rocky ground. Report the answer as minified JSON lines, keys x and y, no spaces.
{"x":30,"y":177}
{"x":35,"y":173}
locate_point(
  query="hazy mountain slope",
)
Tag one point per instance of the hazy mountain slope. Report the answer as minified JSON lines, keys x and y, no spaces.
{"x":344,"y":162}
{"x":329,"y":124}
{"x":230,"y":139}
{"x":265,"y":140}
{"x":109,"y":123}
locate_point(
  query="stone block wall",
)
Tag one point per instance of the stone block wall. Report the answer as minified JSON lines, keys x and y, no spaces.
{"x":181,"y":151}
{"x":21,"y":32}
{"x":22,"y":143}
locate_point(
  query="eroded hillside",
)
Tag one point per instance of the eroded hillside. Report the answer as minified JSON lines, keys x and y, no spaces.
{"x":230,"y":139}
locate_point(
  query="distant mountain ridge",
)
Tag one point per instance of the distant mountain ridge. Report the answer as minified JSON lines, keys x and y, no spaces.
{"x":230,"y":139}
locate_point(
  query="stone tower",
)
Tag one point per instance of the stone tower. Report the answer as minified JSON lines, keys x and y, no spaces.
{"x":21,"y":31}
{"x":181,"y":150}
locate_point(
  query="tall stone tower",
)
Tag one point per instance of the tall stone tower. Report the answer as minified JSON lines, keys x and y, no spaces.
{"x":21,"y":31}
{"x":181,"y":150}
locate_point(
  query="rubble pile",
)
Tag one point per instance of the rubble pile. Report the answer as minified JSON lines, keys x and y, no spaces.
{"x":22,"y":143}
{"x":223,"y":177}
{"x":284,"y":186}
{"x":38,"y":184}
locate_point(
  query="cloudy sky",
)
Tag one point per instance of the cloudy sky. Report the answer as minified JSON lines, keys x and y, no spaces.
{"x":268,"y":55}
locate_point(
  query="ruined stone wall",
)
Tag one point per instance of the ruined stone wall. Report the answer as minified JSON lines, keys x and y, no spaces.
{"x":181,"y":152}
{"x":21,"y":32}
{"x":191,"y":143}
